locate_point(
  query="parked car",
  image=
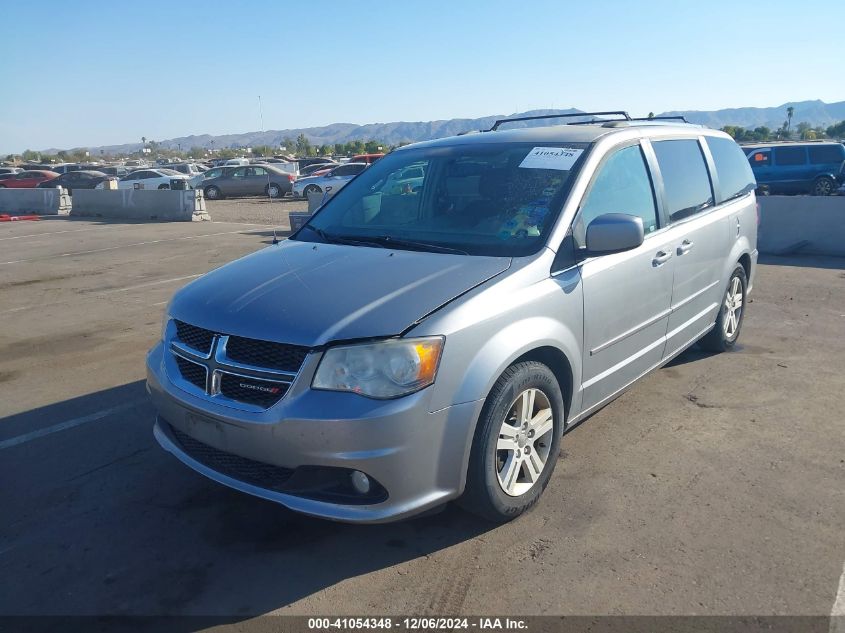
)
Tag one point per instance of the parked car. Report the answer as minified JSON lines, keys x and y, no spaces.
{"x":237,"y":161}
{"x":10,"y":170}
{"x":117,"y":171}
{"x":311,"y":170}
{"x":189,"y":169}
{"x":336,"y":179}
{"x":27,"y":179}
{"x":253,"y":180}
{"x":148,"y":179}
{"x":366,"y":158}
{"x":815,"y":168}
{"x":404,"y":350}
{"x":314,"y":160}
{"x":75,"y":180}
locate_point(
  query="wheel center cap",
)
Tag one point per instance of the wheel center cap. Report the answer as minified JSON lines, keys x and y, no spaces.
{"x":521,"y":440}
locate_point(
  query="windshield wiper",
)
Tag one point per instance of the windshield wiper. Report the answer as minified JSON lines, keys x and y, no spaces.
{"x":330,"y":238}
{"x":388,"y":241}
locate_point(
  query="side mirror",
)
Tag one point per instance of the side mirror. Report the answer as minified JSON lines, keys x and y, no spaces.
{"x":614,"y":233}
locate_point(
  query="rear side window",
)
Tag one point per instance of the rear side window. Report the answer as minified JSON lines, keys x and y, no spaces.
{"x":622,"y":185}
{"x":685,"y":178}
{"x":732,"y":168}
{"x":790,"y":155}
{"x":762,"y":158}
{"x":822,"y":154}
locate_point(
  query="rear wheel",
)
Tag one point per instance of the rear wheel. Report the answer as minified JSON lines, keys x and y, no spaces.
{"x":823,"y":186}
{"x":516,"y":443}
{"x":273,"y":190}
{"x":213,"y":193}
{"x":311,"y":189}
{"x":729,"y":322}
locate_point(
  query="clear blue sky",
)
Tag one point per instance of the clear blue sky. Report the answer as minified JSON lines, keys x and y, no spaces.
{"x":87,"y":73}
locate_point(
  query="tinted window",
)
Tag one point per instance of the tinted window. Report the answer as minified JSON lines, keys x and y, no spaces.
{"x":732,"y":168}
{"x":484,"y":199}
{"x":239,"y":173}
{"x":348,"y":170}
{"x":760,"y":159}
{"x":685,"y":178}
{"x":257,"y":171}
{"x":821,"y":154}
{"x":790,"y":155}
{"x":622,"y":185}
{"x":213,"y":173}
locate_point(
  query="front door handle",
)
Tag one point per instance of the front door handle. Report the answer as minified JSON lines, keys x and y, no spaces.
{"x":661,"y":257}
{"x":685,"y":247}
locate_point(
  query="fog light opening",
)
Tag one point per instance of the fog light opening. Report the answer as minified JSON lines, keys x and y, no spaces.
{"x":360,"y":482}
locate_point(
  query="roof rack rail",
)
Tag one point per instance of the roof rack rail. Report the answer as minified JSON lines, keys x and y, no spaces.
{"x":661,"y":118}
{"x":621,"y":113}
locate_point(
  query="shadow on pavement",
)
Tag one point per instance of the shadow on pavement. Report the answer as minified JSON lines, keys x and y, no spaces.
{"x":98,"y":520}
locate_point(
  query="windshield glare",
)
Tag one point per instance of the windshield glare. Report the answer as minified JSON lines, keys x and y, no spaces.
{"x":485,"y":199}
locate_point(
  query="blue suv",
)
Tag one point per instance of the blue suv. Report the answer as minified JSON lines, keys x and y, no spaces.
{"x":813,"y":167}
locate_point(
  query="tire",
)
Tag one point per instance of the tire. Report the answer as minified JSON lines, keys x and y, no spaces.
{"x":163,"y":187}
{"x":212,"y":193}
{"x":823,"y":186}
{"x":725,"y":333}
{"x":273,"y":190}
{"x":311,"y":189}
{"x":503,"y":482}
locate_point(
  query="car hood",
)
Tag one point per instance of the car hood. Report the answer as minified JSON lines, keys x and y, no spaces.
{"x":311,"y":294}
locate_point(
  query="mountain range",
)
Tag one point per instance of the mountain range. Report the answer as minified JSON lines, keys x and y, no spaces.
{"x":813,"y":112}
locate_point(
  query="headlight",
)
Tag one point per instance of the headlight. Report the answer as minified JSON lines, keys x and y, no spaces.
{"x":387,"y":369}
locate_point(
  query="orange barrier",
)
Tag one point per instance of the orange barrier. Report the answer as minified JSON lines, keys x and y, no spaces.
{"x":15,"y":218}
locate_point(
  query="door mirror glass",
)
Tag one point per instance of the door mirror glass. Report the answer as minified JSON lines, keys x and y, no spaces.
{"x":614,"y":233}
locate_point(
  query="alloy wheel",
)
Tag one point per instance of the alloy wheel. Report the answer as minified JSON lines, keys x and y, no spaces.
{"x":525,"y":439}
{"x":732,"y":308}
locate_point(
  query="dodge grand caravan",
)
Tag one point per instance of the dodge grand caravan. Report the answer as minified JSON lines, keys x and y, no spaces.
{"x":412,"y":346}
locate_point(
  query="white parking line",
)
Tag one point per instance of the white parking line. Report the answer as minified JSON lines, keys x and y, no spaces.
{"x":837,"y":613}
{"x":49,"y":233}
{"x":148,"y":284}
{"x":114,"y":248}
{"x":68,"y":424}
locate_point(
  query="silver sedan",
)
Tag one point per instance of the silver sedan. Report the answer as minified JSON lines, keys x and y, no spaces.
{"x":330,"y":182}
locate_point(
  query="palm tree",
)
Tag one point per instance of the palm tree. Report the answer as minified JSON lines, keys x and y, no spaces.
{"x":789,"y":112}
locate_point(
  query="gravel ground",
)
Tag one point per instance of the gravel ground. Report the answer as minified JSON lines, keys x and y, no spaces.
{"x":254,"y":210}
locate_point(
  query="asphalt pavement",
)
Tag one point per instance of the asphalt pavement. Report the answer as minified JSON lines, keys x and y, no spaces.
{"x":715,"y":486}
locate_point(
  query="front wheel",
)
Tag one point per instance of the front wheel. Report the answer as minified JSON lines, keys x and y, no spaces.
{"x":311,"y":189}
{"x":212,"y":193}
{"x":516,"y":443}
{"x":823,"y":186}
{"x":724,"y":335}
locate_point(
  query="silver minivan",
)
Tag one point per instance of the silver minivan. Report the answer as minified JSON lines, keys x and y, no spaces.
{"x":410,"y":346}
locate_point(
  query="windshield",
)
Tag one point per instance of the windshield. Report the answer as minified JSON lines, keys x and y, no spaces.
{"x":486,"y":199}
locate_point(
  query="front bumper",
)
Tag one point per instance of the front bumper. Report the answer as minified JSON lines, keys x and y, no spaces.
{"x":418,"y":456}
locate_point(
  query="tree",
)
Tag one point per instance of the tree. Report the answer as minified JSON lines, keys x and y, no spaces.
{"x":789,"y":112}
{"x":30,"y":155}
{"x":196,"y":151}
{"x":303,"y":146}
{"x":837,"y":130}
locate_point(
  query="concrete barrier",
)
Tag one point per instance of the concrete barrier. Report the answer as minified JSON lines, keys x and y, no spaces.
{"x":53,"y":201}
{"x":802,"y":224}
{"x":140,"y":204}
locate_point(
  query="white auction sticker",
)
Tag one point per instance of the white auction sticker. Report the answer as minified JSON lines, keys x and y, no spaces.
{"x":561,"y":158}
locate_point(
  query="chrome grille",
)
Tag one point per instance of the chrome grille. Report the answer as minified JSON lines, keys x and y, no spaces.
{"x":194,"y":373}
{"x":246,"y":470}
{"x":248,"y":373}
{"x":194,"y":337}
{"x":266,"y":354}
